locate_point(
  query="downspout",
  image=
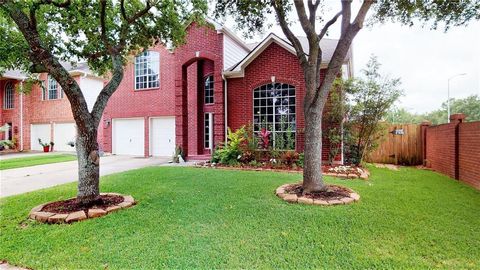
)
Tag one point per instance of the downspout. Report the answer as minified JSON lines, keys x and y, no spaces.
{"x":226,"y":107}
{"x":21,"y":115}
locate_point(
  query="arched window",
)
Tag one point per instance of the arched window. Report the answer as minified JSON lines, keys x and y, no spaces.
{"x":274,"y":110}
{"x":147,"y":70}
{"x":209,"y":89}
{"x":8,"y":96}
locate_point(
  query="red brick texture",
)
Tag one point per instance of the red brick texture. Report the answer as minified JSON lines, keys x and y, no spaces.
{"x":453,"y":149}
{"x":35,"y":111}
{"x":273,"y":61}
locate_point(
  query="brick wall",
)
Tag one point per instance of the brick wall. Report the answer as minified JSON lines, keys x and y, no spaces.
{"x":273,"y":61}
{"x":469,"y":153}
{"x":35,"y":111}
{"x":453,"y":149}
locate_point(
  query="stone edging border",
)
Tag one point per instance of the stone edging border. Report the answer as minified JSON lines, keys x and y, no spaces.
{"x":49,"y":217}
{"x":364,"y":175}
{"x":293,"y":198}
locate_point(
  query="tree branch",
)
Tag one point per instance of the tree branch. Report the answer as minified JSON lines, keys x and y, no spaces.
{"x":346,"y":15}
{"x":108,"y":89}
{"x":280,"y":12}
{"x":307,"y":26}
{"x":328,"y":24}
{"x":312,"y":8}
{"x":137,"y":15}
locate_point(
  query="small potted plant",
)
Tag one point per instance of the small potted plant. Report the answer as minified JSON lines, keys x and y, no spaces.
{"x":46,"y":146}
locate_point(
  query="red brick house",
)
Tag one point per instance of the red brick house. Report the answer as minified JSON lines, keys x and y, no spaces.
{"x":190,"y":95}
{"x":44,"y":113}
{"x":187,"y":96}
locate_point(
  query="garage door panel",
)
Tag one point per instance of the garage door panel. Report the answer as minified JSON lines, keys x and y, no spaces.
{"x":162,"y":136}
{"x":39,"y":131}
{"x":63,"y":133}
{"x":128,"y":137}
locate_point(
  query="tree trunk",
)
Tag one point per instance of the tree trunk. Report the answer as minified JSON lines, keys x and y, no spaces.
{"x":312,"y":170}
{"x":88,"y":167}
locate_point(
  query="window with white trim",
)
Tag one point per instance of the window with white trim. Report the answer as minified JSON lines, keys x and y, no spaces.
{"x":8,"y":96}
{"x":147,"y":70}
{"x":274,"y":110}
{"x":208,"y":129}
{"x":52,"y":88}
{"x":208,"y":89}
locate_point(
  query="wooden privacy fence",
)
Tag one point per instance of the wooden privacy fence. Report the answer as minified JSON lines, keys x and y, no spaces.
{"x":402,"y":145}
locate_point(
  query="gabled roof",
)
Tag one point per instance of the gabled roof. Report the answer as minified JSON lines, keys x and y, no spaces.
{"x":328,"y":48}
{"x":221,"y":28}
{"x":76,"y":69}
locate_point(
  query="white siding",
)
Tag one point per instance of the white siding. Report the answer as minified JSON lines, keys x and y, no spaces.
{"x":91,"y":87}
{"x":232,"y":52}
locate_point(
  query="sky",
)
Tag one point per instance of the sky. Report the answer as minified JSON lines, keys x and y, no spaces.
{"x":423,"y":59}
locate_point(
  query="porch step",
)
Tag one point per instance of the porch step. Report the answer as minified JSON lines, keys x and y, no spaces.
{"x":199,"y":157}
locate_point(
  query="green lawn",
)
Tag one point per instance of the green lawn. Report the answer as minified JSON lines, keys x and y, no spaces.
{"x":204,"y":218}
{"x":34,"y":160}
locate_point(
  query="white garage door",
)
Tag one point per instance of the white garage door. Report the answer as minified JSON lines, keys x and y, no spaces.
{"x":128,"y":137}
{"x":162,"y":136}
{"x":63,"y":133}
{"x":39,"y":131}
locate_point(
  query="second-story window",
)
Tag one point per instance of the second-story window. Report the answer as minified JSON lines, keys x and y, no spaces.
{"x":52,"y":88}
{"x":209,"y":89}
{"x":147,"y":70}
{"x":8,"y":96}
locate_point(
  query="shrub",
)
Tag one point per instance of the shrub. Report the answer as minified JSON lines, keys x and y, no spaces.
{"x":300,"y":160}
{"x":230,"y":153}
{"x":289,"y":158}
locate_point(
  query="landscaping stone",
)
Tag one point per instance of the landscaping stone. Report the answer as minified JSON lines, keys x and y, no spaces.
{"x":76,"y":216}
{"x":57,"y":218}
{"x":347,"y":200}
{"x":42,"y":216}
{"x":342,"y":175}
{"x":49,"y":217}
{"x":305,"y":200}
{"x":113,"y":208}
{"x":128,"y":198}
{"x":290,"y":198}
{"x":355,"y":196}
{"x":294,"y":198}
{"x":333,"y":202}
{"x":96,"y":212}
{"x":320,"y":202}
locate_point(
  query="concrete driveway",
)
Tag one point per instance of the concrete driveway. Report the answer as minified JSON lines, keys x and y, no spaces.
{"x":21,"y":180}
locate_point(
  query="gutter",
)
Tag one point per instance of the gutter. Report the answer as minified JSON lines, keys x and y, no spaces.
{"x":226,"y":107}
{"x":21,"y":115}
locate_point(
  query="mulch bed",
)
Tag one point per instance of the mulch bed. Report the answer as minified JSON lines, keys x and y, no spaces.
{"x":333,"y":192}
{"x":72,"y":205}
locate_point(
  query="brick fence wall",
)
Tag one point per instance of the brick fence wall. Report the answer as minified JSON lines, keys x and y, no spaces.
{"x":454,"y":149}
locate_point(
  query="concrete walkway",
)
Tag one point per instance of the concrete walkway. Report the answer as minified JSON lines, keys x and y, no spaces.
{"x":21,"y":180}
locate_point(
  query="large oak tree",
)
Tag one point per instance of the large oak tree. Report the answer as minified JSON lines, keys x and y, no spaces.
{"x":311,"y":14}
{"x":38,"y":34}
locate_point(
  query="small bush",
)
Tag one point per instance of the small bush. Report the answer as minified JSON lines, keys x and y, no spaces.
{"x":289,"y":158}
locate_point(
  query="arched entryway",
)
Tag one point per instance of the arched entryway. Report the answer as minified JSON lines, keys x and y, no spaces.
{"x":199,"y":101}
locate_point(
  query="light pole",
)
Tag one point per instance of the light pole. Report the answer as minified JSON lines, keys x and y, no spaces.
{"x":448,"y":94}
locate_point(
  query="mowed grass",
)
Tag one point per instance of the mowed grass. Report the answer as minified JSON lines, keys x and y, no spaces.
{"x":13,"y":163}
{"x":206,"y":218}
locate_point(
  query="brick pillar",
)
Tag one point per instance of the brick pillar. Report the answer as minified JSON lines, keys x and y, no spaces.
{"x":181,"y":108}
{"x":423,"y":131}
{"x":219,"y":111}
{"x":457,"y":119}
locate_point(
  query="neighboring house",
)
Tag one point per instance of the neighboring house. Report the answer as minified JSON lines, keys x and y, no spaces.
{"x":190,"y":95}
{"x":45,"y":112}
{"x":184,"y":97}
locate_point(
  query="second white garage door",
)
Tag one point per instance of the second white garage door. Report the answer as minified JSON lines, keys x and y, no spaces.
{"x":64,"y":133}
{"x":128,"y":137}
{"x":39,"y":131}
{"x":162,"y":136}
